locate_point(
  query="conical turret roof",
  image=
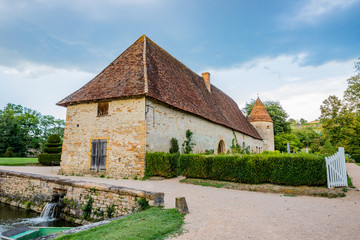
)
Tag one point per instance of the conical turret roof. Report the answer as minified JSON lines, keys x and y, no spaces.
{"x":145,"y":69}
{"x":259,"y":113}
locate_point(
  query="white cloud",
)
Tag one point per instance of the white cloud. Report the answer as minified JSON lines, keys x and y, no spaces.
{"x":39,"y":87}
{"x":300,"y":89}
{"x":313,"y":10}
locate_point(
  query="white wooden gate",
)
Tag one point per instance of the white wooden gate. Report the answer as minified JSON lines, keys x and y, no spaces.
{"x":336,"y":170}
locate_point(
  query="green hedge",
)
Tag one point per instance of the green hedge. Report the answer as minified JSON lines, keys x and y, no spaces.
{"x":162,"y":164}
{"x":54,"y":138}
{"x":285,"y":169}
{"x":356,"y":157}
{"x":52,"y":149}
{"x":47,"y":159}
{"x":47,"y":144}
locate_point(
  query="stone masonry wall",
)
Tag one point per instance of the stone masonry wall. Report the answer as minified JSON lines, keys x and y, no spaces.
{"x":266,"y":131}
{"x":123,"y":128}
{"x":32,"y":191}
{"x":164,"y":123}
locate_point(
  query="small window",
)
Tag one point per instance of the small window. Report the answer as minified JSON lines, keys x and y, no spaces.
{"x":243,"y":146}
{"x":98,"y":154}
{"x":268,"y":127}
{"x":103,"y":109}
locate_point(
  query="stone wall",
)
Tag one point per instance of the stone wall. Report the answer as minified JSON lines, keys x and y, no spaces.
{"x":123,"y":128}
{"x":266,"y":131}
{"x":164,"y":123}
{"x":32,"y":191}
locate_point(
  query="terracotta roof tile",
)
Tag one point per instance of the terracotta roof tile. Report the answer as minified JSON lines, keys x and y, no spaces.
{"x":259,"y":113}
{"x":163,"y":78}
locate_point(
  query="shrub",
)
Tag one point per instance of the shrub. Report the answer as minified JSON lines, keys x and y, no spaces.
{"x":47,"y":159}
{"x":162,"y":164}
{"x":9,"y":152}
{"x":356,"y":157}
{"x":209,"y":151}
{"x":327,"y":149}
{"x":87,"y":209}
{"x":52,"y":151}
{"x":174,"y":146}
{"x":188,"y":143}
{"x":143,"y":204}
{"x":294,"y":169}
{"x":54,"y":138}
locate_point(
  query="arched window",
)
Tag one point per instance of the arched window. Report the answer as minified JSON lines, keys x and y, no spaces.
{"x":221,"y":147}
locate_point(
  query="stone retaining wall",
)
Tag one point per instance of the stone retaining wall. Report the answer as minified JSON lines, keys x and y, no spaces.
{"x":31,"y":191}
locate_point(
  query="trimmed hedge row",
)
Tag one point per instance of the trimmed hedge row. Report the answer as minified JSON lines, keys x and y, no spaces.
{"x":162,"y":164}
{"x":47,"y":159}
{"x":287,"y":169}
{"x":284,"y":169}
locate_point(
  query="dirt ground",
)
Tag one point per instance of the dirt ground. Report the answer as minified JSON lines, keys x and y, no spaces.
{"x":220,"y":213}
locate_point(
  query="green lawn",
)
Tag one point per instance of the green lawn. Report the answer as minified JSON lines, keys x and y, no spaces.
{"x":155,"y":223}
{"x":18,"y":161}
{"x":358,"y":164}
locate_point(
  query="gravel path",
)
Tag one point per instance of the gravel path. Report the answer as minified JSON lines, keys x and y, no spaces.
{"x":217,"y":213}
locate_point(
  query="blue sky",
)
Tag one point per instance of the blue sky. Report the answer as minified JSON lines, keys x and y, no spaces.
{"x":297,"y":52}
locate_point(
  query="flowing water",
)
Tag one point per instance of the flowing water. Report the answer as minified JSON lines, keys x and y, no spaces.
{"x":12,"y":217}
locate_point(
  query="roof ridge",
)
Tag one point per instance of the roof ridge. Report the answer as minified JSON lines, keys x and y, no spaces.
{"x":146,"y":86}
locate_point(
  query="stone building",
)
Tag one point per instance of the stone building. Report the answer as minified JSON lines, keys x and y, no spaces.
{"x":137,"y":104}
{"x":263,"y":123}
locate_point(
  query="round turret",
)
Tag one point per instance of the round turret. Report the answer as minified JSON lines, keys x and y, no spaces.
{"x":262,"y":122}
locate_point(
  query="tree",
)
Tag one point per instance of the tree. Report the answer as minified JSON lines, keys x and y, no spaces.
{"x":307,"y":136}
{"x":23,"y":128}
{"x":303,"y":121}
{"x":341,"y":118}
{"x":277,"y":114}
{"x":292,"y":122}
{"x":352,"y":93}
{"x":331,"y":108}
{"x":357,"y":65}
{"x":282,"y":139}
{"x":327,"y":148}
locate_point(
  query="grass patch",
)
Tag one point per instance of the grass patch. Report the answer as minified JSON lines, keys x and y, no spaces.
{"x":350,"y":184}
{"x":358,"y":164}
{"x":155,"y":223}
{"x":203,"y":183}
{"x":329,"y":195}
{"x":289,"y":195}
{"x":18,"y":161}
{"x":289,"y":191}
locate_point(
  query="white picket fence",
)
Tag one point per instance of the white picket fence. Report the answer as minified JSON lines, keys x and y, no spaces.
{"x":336,"y":169}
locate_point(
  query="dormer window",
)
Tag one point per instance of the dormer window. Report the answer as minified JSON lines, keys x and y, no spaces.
{"x":103,"y":109}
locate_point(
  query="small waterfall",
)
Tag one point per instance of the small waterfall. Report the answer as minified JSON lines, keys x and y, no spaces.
{"x":50,"y":211}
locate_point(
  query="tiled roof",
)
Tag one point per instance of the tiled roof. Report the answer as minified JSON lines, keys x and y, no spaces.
{"x":155,"y":73}
{"x":259,"y":113}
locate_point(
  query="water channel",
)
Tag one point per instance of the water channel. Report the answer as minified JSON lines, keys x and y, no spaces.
{"x":12,"y":217}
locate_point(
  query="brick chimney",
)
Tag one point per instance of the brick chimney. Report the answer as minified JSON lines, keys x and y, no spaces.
{"x":206,"y":77}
